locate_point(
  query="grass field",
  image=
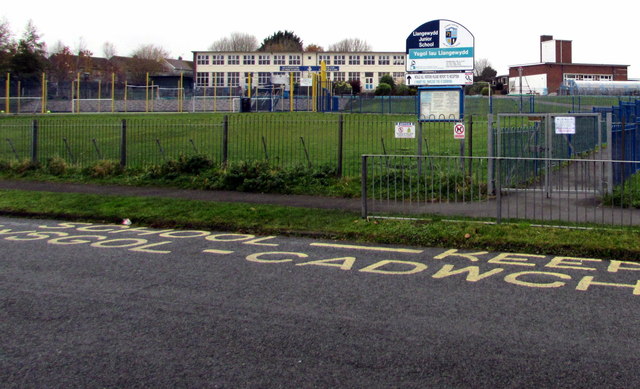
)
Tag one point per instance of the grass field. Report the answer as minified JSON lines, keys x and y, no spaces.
{"x":285,"y":139}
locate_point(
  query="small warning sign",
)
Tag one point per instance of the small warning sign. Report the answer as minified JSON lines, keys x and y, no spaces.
{"x":459,"y":131}
{"x":405,"y":130}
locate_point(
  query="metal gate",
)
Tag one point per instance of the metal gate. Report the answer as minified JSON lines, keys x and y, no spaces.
{"x":540,"y":151}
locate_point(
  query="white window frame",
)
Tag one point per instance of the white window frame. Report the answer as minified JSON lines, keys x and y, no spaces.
{"x":264,"y":59}
{"x":248,"y":59}
{"x":295,"y":59}
{"x":217,"y":59}
{"x":202,"y":59}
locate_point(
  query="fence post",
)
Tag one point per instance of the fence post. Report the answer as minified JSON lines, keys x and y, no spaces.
{"x":123,"y":143}
{"x":340,"y":143}
{"x":363,"y":189}
{"x":225,"y":139}
{"x":498,"y":189}
{"x":470,"y":142}
{"x":420,"y":152}
{"x":34,"y":141}
{"x":609,"y":152}
{"x":491,"y":152}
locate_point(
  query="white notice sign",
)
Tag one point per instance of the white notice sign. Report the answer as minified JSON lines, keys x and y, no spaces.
{"x":405,"y":130}
{"x":565,"y":125}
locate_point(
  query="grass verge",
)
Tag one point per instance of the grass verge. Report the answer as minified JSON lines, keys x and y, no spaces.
{"x":618,"y":243}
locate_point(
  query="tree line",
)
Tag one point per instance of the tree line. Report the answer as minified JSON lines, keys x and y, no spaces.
{"x":27,"y":58}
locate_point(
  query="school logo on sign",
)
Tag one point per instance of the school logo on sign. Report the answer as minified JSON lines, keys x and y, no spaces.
{"x":451,"y":34}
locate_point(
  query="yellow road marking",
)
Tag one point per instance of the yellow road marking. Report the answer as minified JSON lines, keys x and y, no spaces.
{"x":213,"y":251}
{"x":348,"y":246}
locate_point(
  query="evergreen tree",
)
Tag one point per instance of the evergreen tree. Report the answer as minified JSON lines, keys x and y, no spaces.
{"x":29,"y":60}
{"x":282,"y":41}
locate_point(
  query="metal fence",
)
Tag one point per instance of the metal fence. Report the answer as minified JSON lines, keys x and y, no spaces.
{"x":573,"y":190}
{"x":101,"y":97}
{"x":283,"y":140}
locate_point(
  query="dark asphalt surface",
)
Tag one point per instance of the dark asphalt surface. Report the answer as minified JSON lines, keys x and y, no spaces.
{"x":222,"y":196}
{"x":95,"y":306}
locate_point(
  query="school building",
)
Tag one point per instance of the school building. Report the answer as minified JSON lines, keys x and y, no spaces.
{"x":235,"y":69}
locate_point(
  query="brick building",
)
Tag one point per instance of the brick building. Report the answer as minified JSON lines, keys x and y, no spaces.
{"x":556,"y":67}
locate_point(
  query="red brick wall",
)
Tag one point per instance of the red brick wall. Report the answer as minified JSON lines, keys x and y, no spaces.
{"x":555,"y":72}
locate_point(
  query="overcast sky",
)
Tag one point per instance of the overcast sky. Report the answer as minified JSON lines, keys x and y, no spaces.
{"x":505,"y":32}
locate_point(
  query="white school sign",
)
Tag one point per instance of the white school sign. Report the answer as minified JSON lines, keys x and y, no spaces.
{"x":439,"y":46}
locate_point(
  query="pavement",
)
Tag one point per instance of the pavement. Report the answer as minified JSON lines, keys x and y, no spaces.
{"x":567,"y":206}
{"x":305,"y":201}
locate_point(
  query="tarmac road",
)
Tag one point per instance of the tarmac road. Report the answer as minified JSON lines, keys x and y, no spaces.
{"x":95,"y":306}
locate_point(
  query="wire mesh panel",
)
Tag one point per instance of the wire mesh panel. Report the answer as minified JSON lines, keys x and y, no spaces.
{"x":16,"y":138}
{"x":284,"y":140}
{"x":155,"y":141}
{"x":78,"y":141}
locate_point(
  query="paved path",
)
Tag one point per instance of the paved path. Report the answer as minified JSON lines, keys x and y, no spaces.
{"x":190,"y":194}
{"x":532,"y":205}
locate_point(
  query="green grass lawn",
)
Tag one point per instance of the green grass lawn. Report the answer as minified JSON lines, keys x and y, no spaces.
{"x":285,"y":139}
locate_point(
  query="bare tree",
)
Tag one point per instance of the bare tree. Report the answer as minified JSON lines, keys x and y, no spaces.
{"x":62,"y":63}
{"x":58,"y":48}
{"x":237,"y":41}
{"x":479,"y":65}
{"x":146,"y":59}
{"x":150,"y":52}
{"x":314,"y":48}
{"x":350,"y":45}
{"x":109,"y":50}
{"x":81,"y":46}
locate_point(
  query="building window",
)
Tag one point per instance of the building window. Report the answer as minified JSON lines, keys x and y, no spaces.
{"x":369,"y":60}
{"x":383,"y":60}
{"x":264,"y":60}
{"x":264,"y":78}
{"x":382,"y":74}
{"x":588,"y":77}
{"x":202,"y":59}
{"x":202,"y":79}
{"x":248,"y":59}
{"x":398,"y":59}
{"x":233,"y":78}
{"x":354,"y":60}
{"x":217,"y":59}
{"x":338,"y":76}
{"x":279,"y":60}
{"x":325,"y":58}
{"x":294,"y":60}
{"x":338,"y":59}
{"x":217,"y":78}
{"x":354,"y":76}
{"x":233,"y":60}
{"x":368,"y":81}
{"x":398,"y":77}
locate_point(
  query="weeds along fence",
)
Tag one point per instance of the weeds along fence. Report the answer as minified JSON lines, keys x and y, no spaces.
{"x":283,"y":140}
{"x":572,"y":190}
